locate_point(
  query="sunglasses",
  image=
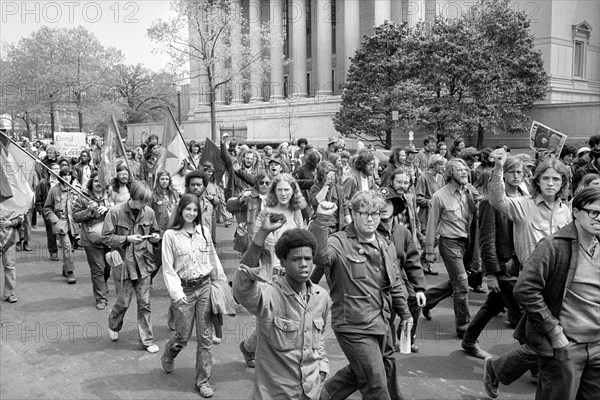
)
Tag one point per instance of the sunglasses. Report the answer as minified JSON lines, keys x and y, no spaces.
{"x":264,"y":183}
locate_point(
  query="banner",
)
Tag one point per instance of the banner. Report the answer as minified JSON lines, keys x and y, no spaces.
{"x":173,"y":150}
{"x":112,"y":151}
{"x":18,"y":169}
{"x":70,"y":144}
{"x":546,"y":140}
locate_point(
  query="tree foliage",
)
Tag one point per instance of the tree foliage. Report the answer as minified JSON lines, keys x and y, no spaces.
{"x":473,"y":74}
{"x":210,"y":38}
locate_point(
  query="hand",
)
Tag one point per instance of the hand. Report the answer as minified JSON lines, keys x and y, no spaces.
{"x":430,"y":257}
{"x":135,"y":239}
{"x":102,"y":210}
{"x":155,"y":238}
{"x":246,"y":194}
{"x":182,"y":301}
{"x":236,"y":166}
{"x":330,"y":179}
{"x":405,"y":324}
{"x":499,"y":157}
{"x":492,"y":283}
{"x":271,"y":226}
{"x":421,"y":299}
{"x":326,"y":208}
{"x":5,"y":223}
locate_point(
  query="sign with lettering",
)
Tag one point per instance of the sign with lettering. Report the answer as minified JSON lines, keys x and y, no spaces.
{"x":546,"y":140}
{"x":70,"y":144}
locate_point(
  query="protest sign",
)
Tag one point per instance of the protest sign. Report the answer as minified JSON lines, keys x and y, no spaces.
{"x":70,"y":144}
{"x":546,"y":140}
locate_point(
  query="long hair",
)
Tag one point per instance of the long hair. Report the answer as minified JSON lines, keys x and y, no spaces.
{"x":556,"y":165}
{"x":116,"y":184}
{"x":585,"y":182}
{"x":90,"y":183}
{"x":186,"y":199}
{"x":159,"y":191}
{"x":297,"y":202}
{"x":451,"y":166}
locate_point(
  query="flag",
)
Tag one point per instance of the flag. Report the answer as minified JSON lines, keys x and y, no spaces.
{"x":112,"y":151}
{"x":173,"y":150}
{"x":212,"y":153}
{"x":17,"y":170}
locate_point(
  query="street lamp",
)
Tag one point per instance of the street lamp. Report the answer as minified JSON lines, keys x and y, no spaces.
{"x":178,"y":89}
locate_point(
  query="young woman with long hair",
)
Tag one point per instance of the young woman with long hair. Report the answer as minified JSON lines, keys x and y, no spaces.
{"x":190,"y":264}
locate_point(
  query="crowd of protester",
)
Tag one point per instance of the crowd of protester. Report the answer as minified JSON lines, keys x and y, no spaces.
{"x":522,"y":229}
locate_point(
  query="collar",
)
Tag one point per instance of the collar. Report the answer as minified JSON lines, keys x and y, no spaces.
{"x":539,"y":199}
{"x":351,"y":234}
{"x":183,"y":232}
{"x":288,"y":291}
{"x":568,"y":232}
{"x":453,"y":187}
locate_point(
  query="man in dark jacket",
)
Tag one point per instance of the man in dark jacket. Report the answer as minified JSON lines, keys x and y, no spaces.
{"x":558,"y":290}
{"x":41,"y":194}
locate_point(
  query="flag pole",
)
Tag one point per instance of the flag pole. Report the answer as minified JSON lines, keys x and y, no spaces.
{"x":116,"y":129}
{"x":38,"y":161}
{"x":182,"y":138}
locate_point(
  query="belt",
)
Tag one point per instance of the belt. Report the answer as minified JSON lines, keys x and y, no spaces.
{"x":278,"y":271}
{"x":192,"y":283}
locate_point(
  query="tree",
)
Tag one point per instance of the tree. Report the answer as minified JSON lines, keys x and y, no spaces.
{"x":474,"y":74}
{"x":210,"y":38}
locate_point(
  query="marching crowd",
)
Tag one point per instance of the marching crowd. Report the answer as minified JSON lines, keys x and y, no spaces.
{"x":523,"y":229}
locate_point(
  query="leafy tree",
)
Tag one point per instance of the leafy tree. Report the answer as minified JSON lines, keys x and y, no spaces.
{"x":474,"y":74}
{"x":204,"y":39}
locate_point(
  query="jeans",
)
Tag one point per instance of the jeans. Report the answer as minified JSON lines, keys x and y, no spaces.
{"x":494,"y":304}
{"x":573,"y":373}
{"x":197,"y":311}
{"x":141,"y":288}
{"x":372,"y":368}
{"x":512,"y":365}
{"x":51,"y":237}
{"x":452,"y":252}
{"x":100,"y":272}
{"x":10,"y":273}
{"x":66,"y":241}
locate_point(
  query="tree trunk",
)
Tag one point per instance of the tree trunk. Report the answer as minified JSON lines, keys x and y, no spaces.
{"x":80,"y":117}
{"x":213,"y":117}
{"x":52,"y":122}
{"x":388,"y":139}
{"x":480,"y":135}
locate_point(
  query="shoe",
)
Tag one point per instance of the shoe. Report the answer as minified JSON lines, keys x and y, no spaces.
{"x":509,"y":324}
{"x":100,"y":306}
{"x":479,"y":289}
{"x":54,"y":257}
{"x":152,"y":349}
{"x":114,"y":336}
{"x":227,"y":224}
{"x":490,"y":381}
{"x":216,"y":340}
{"x":26,"y":246}
{"x":18,"y":247}
{"x":206,"y":390}
{"x":460,"y":334}
{"x":11,"y":299}
{"x":474,"y":350}
{"x":167,"y":363}
{"x":249,"y":357}
{"x":414,"y":348}
{"x":70,"y":278}
{"x":429,"y":271}
{"x":426,"y":313}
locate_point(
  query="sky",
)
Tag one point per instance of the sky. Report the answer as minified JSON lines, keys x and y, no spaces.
{"x":118,"y":23}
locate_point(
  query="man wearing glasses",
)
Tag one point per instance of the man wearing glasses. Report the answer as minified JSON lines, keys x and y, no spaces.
{"x":453,"y":216}
{"x":558,"y":290}
{"x":365,"y":287}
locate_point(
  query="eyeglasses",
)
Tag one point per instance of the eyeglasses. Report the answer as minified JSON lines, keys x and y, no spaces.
{"x":593,"y":214}
{"x":264,"y":183}
{"x":371,"y":164}
{"x":365,"y":215}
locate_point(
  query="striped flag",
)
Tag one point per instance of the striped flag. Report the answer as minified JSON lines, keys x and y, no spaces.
{"x":112,"y":151}
{"x":173,"y":149}
{"x":17,"y":170}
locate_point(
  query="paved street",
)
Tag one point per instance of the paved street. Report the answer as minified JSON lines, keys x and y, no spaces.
{"x":55,"y":344}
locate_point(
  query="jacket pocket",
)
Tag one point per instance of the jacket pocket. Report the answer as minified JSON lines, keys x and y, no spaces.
{"x":356,"y":309}
{"x":318,"y":327}
{"x":284,"y":333}
{"x":358,"y":267}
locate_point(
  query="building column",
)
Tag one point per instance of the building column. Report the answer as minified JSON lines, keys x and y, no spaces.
{"x":297,"y":17}
{"x":415,"y":11}
{"x":351,"y":32}
{"x":383,"y":11}
{"x":237,"y":86}
{"x":256,"y":73}
{"x":277,"y":51}
{"x":324,"y":45}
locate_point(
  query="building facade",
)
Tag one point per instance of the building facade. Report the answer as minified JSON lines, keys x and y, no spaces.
{"x":298,"y":98}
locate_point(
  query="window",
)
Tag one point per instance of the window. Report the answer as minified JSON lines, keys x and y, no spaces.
{"x":286,"y":30}
{"x":308,"y":83}
{"x":285,"y":87}
{"x":308,"y":30}
{"x":581,"y":37}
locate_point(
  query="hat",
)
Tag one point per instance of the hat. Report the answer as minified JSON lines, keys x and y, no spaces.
{"x":390,"y":194}
{"x":275,"y":160}
{"x":410,"y":149}
{"x":526,"y":158}
{"x":582,"y":151}
{"x":469,"y":152}
{"x":114,"y":259}
{"x":267,"y":147}
{"x":332,"y":140}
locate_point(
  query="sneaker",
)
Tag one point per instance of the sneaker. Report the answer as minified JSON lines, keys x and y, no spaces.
{"x":474,"y":350}
{"x":54,"y":257}
{"x":11,"y":299}
{"x":216,"y":340}
{"x":18,"y":246}
{"x":428,"y":270}
{"x":426,"y":313}
{"x":152,"y":349}
{"x":70,"y":278}
{"x":249,"y":357}
{"x":167,"y":363}
{"x":490,"y":381}
{"x":100,"y":306}
{"x":26,"y":246}
{"x":206,"y":390}
{"x":414,"y":348}
{"x":114,"y":336}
